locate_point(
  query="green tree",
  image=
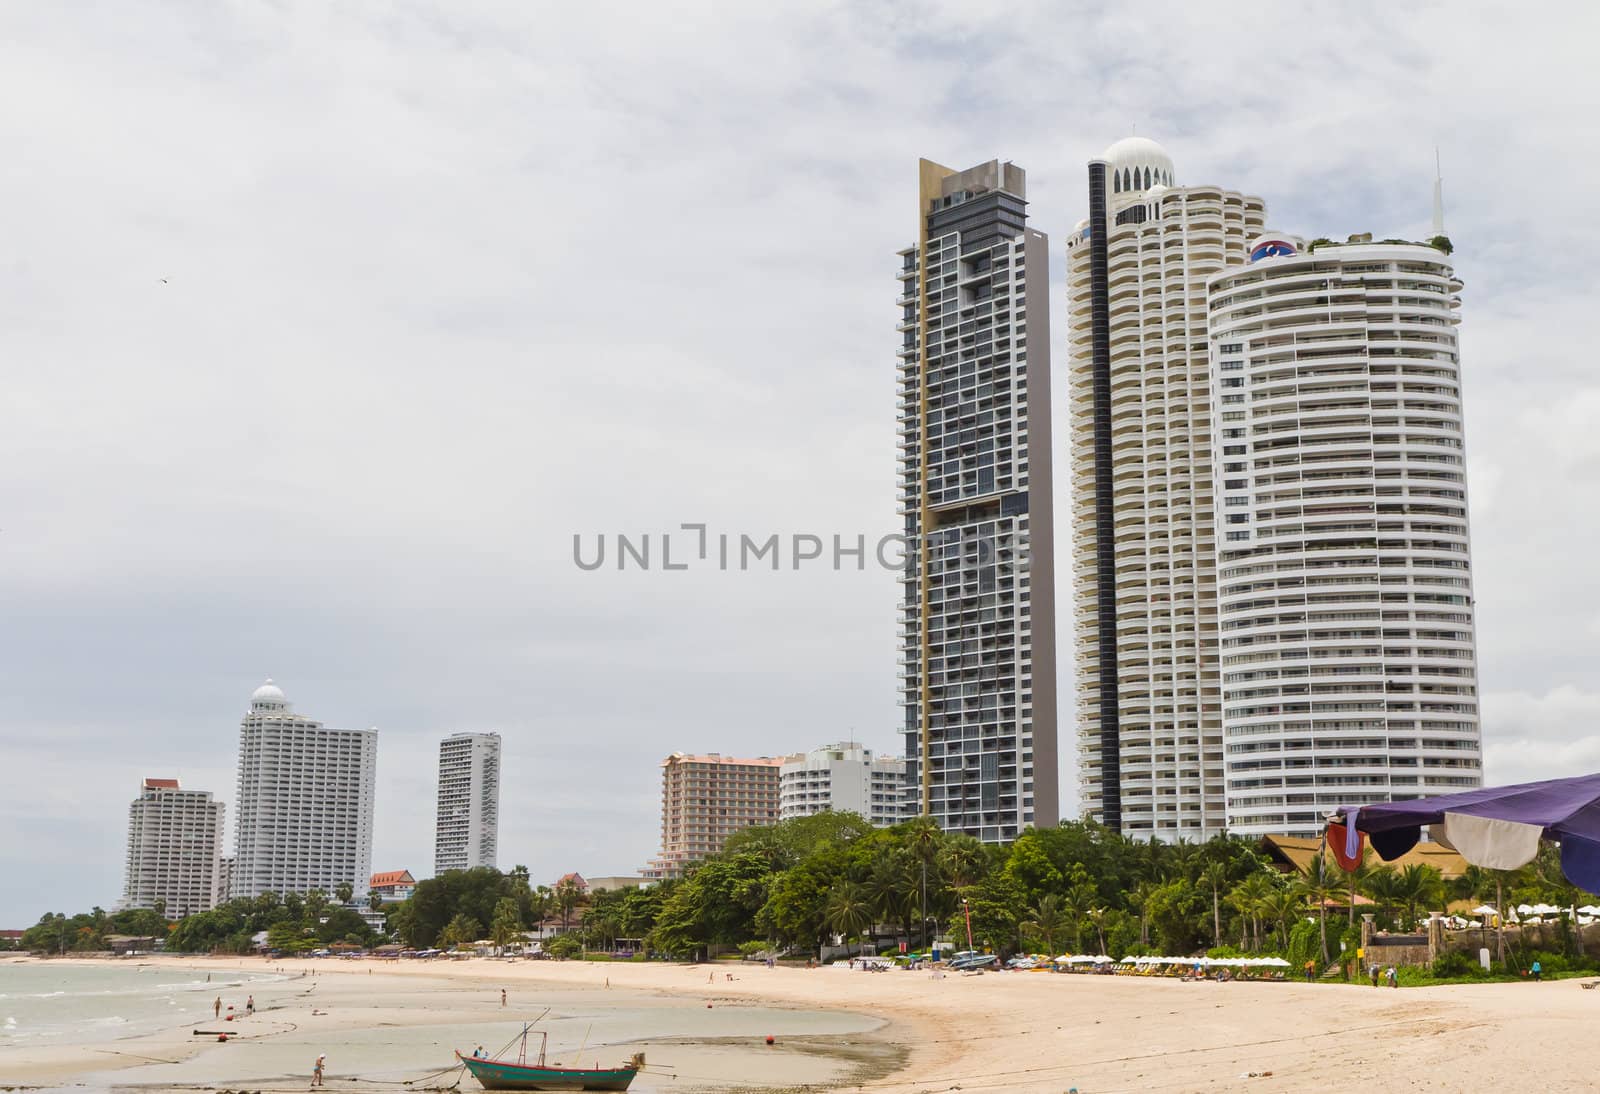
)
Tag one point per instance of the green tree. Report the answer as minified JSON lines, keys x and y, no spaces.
{"x":848,"y":912}
{"x":461,"y":930}
{"x":344,"y":892}
{"x":507,"y":925}
{"x":1046,"y":919}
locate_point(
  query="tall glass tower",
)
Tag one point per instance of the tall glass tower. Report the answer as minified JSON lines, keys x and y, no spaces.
{"x":977,"y":634}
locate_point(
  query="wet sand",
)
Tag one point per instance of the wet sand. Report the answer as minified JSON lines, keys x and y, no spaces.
{"x":897,"y":1032}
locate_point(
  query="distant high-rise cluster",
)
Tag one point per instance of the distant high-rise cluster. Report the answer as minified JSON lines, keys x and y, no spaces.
{"x":467,"y":824}
{"x":1271,"y":563}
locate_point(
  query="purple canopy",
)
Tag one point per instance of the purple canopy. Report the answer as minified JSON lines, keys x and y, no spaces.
{"x":1500,"y":826}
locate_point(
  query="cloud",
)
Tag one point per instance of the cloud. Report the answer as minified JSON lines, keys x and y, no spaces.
{"x":327,"y":328}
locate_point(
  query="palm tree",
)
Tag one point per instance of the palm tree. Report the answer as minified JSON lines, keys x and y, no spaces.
{"x":1249,"y":897}
{"x":885,"y":890}
{"x":344,"y":891}
{"x":1080,"y":898}
{"x":1282,"y":905}
{"x":566,"y":898}
{"x":1383,"y":886}
{"x":1097,"y":916}
{"x":1355,"y":879}
{"x":1214,"y":877}
{"x":1046,"y":920}
{"x":1317,"y":888}
{"x":375,"y":901}
{"x":924,"y":844}
{"x":963,"y":859}
{"x":847,"y":911}
{"x":1419,"y":884}
{"x":1139,"y":901}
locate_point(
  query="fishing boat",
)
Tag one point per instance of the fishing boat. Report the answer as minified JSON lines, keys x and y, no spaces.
{"x":521,"y":1075}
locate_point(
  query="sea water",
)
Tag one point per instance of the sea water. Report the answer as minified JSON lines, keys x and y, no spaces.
{"x":43,"y":1001}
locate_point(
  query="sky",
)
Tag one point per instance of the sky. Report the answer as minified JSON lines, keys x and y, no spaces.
{"x":324,"y":329}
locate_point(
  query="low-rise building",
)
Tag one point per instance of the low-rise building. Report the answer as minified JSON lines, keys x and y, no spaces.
{"x":843,"y":777}
{"x":393,"y":886}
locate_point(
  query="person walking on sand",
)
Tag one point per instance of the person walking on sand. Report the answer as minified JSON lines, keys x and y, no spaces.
{"x":216,"y":1008}
{"x":316,"y":1070}
{"x":1538,"y":971}
{"x":1373,"y":971}
{"x":250,"y":1005}
{"x":502,"y":997}
{"x":1394,"y":977}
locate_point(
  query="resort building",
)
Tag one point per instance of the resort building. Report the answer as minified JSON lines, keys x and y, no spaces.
{"x":706,"y":799}
{"x":305,"y":801}
{"x":843,"y":777}
{"x":392,"y":886}
{"x":1150,"y":742}
{"x":467,"y":823}
{"x":224,"y":878}
{"x":174,"y":849}
{"x":1348,"y":659}
{"x":977,"y":615}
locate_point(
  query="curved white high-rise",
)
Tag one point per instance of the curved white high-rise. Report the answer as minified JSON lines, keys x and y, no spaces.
{"x":1344,"y":572}
{"x":1149,"y":717}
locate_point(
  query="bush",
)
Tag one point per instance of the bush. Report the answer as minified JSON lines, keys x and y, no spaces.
{"x":565,"y":946}
{"x":1457,"y":965}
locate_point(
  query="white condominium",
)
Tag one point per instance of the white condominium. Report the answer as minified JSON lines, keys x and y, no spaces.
{"x":706,"y":799}
{"x":1348,"y":664}
{"x":174,"y":849}
{"x":305,"y":801}
{"x":467,"y":824}
{"x":1143,"y":526}
{"x":840,"y":778}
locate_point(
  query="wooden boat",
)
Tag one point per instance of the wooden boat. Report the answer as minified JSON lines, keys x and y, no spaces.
{"x":521,"y":1075}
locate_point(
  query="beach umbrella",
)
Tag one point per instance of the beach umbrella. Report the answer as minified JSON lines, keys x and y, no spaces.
{"x":1498,"y":828}
{"x":1484,"y":909}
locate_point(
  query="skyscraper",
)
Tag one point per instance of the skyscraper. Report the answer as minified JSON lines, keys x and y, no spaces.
{"x":174,"y":849}
{"x":978,"y":611}
{"x":305,"y":801}
{"x":1348,"y":654}
{"x":1143,"y":526}
{"x":467,"y":824}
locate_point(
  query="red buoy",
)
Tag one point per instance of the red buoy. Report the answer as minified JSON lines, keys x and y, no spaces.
{"x":770,"y":1039}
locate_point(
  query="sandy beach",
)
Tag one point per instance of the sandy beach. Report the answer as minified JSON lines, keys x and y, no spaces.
{"x":894,"y":1032}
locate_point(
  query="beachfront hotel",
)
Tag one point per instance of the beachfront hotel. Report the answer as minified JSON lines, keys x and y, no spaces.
{"x":467,"y":818}
{"x":843,"y":777}
{"x":1344,"y":574}
{"x":704,"y":800}
{"x":174,"y":850}
{"x":1150,"y":739}
{"x":304,"y":801}
{"x":977,"y":612}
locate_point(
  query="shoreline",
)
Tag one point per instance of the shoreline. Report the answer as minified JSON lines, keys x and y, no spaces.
{"x":995,"y":1031}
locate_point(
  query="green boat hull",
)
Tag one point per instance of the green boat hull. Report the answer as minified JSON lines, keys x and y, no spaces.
{"x":502,"y":1075}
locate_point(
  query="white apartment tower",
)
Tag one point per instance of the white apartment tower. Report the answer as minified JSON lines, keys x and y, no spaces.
{"x":467,"y":824}
{"x":843,"y":777}
{"x":305,"y":801}
{"x":174,"y":849}
{"x":1348,"y":655}
{"x":977,"y":617}
{"x":1150,"y":746}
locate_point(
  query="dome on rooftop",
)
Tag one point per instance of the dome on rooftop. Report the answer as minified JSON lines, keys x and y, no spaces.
{"x":1135,"y":164}
{"x":268,"y":695}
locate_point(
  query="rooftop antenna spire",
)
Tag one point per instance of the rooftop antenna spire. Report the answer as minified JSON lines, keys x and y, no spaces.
{"x":1438,"y":195}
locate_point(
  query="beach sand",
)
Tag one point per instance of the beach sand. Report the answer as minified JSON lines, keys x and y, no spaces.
{"x":989,"y":1032}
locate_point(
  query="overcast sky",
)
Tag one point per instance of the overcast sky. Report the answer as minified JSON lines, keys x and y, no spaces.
{"x":322,"y":334}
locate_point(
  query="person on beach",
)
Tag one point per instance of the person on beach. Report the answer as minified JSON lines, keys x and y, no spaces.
{"x":1373,"y":970}
{"x":479,"y":1053}
{"x":1538,"y":971}
{"x":1394,"y":977}
{"x":216,"y":1008}
{"x":316,"y":1070}
{"x":250,"y":1005}
{"x":502,"y":997}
